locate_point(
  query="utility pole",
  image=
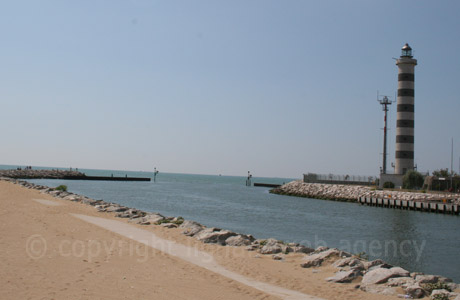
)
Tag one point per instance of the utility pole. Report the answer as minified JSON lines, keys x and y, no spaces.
{"x":452,"y":164}
{"x":385,"y":102}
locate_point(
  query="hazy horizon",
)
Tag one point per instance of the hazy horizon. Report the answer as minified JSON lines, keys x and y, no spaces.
{"x":14,"y":166}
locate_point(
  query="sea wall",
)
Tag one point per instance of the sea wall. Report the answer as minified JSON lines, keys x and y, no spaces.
{"x":351,"y":193}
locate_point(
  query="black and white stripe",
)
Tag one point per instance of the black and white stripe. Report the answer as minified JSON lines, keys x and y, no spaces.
{"x":405,"y":120}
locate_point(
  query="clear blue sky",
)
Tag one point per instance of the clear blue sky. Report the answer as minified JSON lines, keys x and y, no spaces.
{"x":280,"y":88}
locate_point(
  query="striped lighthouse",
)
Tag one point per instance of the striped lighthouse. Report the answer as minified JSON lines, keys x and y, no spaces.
{"x":404,"y":157}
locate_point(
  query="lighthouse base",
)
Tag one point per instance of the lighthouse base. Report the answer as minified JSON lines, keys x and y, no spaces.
{"x":396,"y":179}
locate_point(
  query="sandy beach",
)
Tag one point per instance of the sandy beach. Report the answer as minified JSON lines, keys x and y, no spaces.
{"x":57,"y":249}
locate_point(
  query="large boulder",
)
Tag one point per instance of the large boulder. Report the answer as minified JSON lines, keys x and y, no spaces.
{"x":373,"y":263}
{"x":168,"y":225}
{"x":381,"y":275}
{"x":317,"y":258}
{"x":86,"y":200}
{"x":312,"y":263}
{"x":71,"y":197}
{"x":278,"y":256}
{"x":443,"y":292}
{"x":444,"y":279}
{"x":351,"y":262}
{"x":148,"y":219}
{"x":426,"y":278}
{"x":214,"y":235}
{"x":453,"y":286}
{"x":332,"y":253}
{"x":343,"y":262}
{"x":101,"y":207}
{"x":239,"y":240}
{"x":344,"y":276}
{"x":271,"y":246}
{"x":116,"y":208}
{"x":415,"y":291}
{"x":321,"y":249}
{"x":131,"y":213}
{"x":54,"y":193}
{"x":191,"y":227}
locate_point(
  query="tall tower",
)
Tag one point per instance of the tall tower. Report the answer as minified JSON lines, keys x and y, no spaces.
{"x":385,"y":102}
{"x":404,"y":156}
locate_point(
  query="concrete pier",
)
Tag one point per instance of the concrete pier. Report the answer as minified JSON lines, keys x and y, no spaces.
{"x":436,"y":207}
{"x":106,"y":178}
{"x":270,"y":185}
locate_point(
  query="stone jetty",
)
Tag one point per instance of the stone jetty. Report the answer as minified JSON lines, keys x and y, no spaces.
{"x":351,"y":193}
{"x":370,"y":276}
{"x":63,"y":174}
{"x":39,"y":174}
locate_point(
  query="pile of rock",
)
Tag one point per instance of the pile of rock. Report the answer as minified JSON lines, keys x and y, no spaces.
{"x":340,"y":192}
{"x":385,"y":279}
{"x":321,"y":191}
{"x":379,"y":277}
{"x":373,"y":276}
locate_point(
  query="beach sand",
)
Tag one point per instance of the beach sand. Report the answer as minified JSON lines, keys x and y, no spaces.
{"x":49,"y":249}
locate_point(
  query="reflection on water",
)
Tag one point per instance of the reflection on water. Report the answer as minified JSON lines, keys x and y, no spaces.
{"x":417,"y":241}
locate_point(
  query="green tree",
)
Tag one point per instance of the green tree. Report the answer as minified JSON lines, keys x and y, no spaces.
{"x":413,"y":180}
{"x":388,"y":185}
{"x":441,"y":173}
{"x":62,"y":188}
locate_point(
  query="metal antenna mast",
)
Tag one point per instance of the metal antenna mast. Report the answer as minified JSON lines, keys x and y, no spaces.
{"x":452,"y":164}
{"x":385,"y":102}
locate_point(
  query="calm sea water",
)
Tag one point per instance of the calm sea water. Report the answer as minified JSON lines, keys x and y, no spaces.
{"x":416,"y":241}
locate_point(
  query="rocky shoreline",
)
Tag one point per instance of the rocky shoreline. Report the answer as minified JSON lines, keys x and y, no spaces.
{"x":351,"y":193}
{"x":371,"y":276}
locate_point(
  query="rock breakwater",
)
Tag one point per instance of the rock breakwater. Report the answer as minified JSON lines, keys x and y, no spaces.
{"x":39,"y":174}
{"x":351,"y":193}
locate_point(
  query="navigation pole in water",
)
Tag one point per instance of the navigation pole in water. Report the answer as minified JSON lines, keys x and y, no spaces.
{"x":155,"y":172}
{"x":248,"y":181}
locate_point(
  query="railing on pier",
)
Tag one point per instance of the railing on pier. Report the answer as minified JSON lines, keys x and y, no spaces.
{"x":426,"y":206}
{"x":339,"y":179}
